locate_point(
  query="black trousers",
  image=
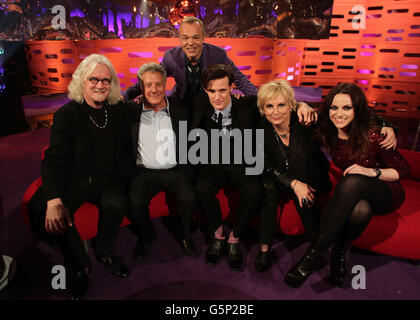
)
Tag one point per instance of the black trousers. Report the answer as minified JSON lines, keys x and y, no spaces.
{"x":310,"y":217}
{"x":104,"y":192}
{"x":176,"y":183}
{"x":211,"y":178}
{"x":356,"y":199}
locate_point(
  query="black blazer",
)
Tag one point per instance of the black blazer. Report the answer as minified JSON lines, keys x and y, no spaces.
{"x":313,"y":164}
{"x":177,"y":112}
{"x":70,"y":145}
{"x":245,"y":114}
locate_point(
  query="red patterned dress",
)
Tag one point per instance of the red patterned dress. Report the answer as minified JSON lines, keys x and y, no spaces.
{"x":376,"y":157}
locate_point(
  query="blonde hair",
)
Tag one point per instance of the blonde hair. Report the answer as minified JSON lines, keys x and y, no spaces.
{"x":191,"y":20}
{"x":274,"y":88}
{"x":84,"y":70}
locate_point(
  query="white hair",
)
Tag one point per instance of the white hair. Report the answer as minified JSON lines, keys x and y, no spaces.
{"x":84,"y":70}
{"x":151,"y":67}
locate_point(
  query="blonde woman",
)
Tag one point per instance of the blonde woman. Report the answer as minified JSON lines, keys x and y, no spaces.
{"x":295,"y":166}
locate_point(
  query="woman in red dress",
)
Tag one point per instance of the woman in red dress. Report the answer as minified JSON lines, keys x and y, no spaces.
{"x":370,"y":184}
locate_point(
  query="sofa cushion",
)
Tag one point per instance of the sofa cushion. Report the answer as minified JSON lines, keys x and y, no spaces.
{"x":86,"y":217}
{"x":397,"y":233}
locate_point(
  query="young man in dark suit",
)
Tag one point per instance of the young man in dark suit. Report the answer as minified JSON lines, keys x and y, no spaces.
{"x":219,"y":110}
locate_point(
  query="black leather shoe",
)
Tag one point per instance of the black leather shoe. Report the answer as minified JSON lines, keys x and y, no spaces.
{"x":116,"y":266}
{"x":234,"y":256}
{"x":79,"y":285}
{"x":338,"y":263}
{"x":215,"y":251}
{"x":263,"y":261}
{"x":312,"y":261}
{"x":142,"y":249}
{"x":189,"y":248}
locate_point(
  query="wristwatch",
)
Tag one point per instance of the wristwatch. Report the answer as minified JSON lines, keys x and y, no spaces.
{"x":378,"y":172}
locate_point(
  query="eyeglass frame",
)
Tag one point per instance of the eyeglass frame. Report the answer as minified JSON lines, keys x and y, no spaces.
{"x":94,"y":80}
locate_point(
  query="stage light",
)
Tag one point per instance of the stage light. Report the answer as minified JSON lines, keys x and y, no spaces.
{"x":182,"y":9}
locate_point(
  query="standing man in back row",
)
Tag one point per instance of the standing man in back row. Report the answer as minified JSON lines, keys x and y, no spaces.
{"x":186,"y":63}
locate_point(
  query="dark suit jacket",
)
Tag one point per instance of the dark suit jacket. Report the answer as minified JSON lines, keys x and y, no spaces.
{"x":174,"y":64}
{"x":177,"y":112}
{"x":70,"y":144}
{"x":244,"y":111}
{"x":314,"y":165}
{"x":245,"y":114}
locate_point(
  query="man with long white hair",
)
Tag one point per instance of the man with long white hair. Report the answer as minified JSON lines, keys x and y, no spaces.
{"x":83,"y":163}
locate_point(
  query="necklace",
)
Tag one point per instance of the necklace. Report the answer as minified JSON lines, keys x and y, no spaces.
{"x":106,"y":120}
{"x":286,"y":160}
{"x":284,"y":136}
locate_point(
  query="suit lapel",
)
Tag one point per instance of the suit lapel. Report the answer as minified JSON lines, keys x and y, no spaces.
{"x":182,"y":75}
{"x":135,"y":133}
{"x":239,"y":115}
{"x":271,"y":143}
{"x":199,"y":106}
{"x":205,"y":57}
{"x":174,"y":116}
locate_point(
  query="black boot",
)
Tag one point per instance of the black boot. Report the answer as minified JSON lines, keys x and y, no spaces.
{"x":312,"y":261}
{"x":79,"y":283}
{"x":263,"y":260}
{"x":215,"y":251}
{"x":234,"y":256}
{"x":338,"y":263}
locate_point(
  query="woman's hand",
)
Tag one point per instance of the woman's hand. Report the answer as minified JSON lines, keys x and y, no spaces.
{"x":303,"y":191}
{"x":387,"y":174}
{"x":357,"y":169}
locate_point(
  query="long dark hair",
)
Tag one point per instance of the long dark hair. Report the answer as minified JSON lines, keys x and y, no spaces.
{"x":358,"y":131}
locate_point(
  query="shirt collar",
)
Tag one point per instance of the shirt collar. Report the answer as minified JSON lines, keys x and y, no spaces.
{"x":165,"y":110}
{"x":225,"y":111}
{"x":188,"y":62}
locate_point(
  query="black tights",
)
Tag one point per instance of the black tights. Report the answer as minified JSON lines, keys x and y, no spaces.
{"x":355,"y":200}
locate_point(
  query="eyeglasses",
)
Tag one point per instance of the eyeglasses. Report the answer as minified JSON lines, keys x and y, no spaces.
{"x":94,"y":80}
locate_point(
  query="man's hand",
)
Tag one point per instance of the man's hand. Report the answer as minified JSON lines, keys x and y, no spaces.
{"x":238,"y":95}
{"x":139,"y":99}
{"x":58,"y":217}
{"x":306,"y":114}
{"x":390,"y":140}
